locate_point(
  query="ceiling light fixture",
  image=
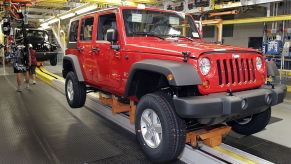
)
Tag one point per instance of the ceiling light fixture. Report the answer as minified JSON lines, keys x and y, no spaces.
{"x":44,"y":26}
{"x":69,"y":15}
{"x":86,"y":9}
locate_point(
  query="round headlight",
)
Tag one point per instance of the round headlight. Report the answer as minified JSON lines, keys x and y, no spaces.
{"x":259,"y":63}
{"x":204,"y":65}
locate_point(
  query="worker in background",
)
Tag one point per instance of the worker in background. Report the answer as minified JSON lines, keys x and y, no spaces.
{"x":33,"y":62}
{"x":21,"y":64}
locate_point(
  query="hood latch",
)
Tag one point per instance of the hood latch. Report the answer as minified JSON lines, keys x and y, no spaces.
{"x":186,"y":55}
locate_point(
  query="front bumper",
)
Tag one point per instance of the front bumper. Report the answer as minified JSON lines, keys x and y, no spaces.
{"x":217,"y":108}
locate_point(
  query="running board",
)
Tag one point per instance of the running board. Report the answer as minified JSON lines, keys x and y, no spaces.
{"x":203,"y":154}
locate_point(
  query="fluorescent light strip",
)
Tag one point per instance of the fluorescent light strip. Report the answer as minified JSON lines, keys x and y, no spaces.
{"x":69,"y":15}
{"x":86,"y":9}
{"x":44,"y":24}
{"x":45,"y":27}
{"x":54,"y":20}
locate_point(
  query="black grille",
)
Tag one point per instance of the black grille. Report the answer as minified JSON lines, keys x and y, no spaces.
{"x":228,"y":69}
{"x":40,"y":48}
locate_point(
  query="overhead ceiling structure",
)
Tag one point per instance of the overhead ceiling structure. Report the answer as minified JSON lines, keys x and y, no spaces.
{"x":44,"y":9}
{"x":200,"y":6}
{"x":90,"y":5}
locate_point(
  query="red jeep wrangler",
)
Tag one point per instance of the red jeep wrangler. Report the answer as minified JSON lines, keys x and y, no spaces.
{"x":157,"y":59}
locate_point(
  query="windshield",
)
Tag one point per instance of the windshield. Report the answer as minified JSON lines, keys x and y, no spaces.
{"x":160,"y":24}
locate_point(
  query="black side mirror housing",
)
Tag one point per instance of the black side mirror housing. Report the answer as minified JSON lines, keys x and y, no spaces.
{"x":111,"y":35}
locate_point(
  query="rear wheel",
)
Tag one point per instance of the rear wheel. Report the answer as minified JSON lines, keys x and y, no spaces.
{"x":160,"y":132}
{"x":251,"y":124}
{"x":75,"y":91}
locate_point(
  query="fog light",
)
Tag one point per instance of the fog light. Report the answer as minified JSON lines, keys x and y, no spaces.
{"x":244,"y":104}
{"x":268,"y":99}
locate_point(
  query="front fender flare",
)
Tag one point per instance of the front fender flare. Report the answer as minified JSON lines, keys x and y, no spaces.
{"x":75,"y":64}
{"x":184,"y":74}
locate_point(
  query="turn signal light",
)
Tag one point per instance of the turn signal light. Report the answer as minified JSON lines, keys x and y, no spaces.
{"x":205,"y":84}
{"x":263,"y":77}
{"x":170,"y":77}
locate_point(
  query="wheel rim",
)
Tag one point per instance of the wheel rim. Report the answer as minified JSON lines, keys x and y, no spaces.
{"x":245,"y":120}
{"x":70,"y":90}
{"x":151,"y":128}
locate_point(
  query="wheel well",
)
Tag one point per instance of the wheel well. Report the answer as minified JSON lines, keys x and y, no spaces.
{"x":67,"y":67}
{"x":144,"y":82}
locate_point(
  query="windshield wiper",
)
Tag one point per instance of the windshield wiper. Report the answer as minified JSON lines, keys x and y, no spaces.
{"x":179,"y":36}
{"x":148,"y":34}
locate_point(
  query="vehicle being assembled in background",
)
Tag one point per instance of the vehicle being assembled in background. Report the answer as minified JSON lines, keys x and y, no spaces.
{"x":41,"y":44}
{"x":157,"y":60}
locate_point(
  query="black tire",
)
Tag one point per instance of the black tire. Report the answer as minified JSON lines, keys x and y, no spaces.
{"x":79,"y":91}
{"x":54,"y":61}
{"x":257,"y":123}
{"x":173,"y":128}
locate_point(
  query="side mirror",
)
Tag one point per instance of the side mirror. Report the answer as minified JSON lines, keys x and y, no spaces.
{"x":111,"y":35}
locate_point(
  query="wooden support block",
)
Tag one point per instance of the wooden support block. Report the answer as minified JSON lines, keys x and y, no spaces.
{"x":132,"y":112}
{"x":118,"y":107}
{"x":214,"y":141}
{"x":105,"y":100}
{"x":191,"y":138}
{"x":212,"y":136}
{"x":39,"y":64}
{"x":218,"y":131}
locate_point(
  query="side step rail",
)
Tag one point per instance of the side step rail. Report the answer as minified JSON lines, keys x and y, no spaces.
{"x":221,"y":154}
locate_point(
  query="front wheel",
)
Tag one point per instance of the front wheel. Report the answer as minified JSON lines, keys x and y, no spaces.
{"x":54,"y":61}
{"x":75,"y":91}
{"x":159,"y":131}
{"x":251,"y":124}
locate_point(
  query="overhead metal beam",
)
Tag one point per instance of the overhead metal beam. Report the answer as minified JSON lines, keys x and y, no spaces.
{"x":37,"y":17}
{"x":243,"y":3}
{"x":227,"y":5}
{"x":49,"y":11}
{"x":69,"y":5}
{"x":258,"y":19}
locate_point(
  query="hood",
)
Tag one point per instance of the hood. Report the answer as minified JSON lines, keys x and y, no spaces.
{"x":175,"y":48}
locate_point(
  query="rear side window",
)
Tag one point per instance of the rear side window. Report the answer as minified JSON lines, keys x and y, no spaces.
{"x":74,"y":31}
{"x":87,"y":29}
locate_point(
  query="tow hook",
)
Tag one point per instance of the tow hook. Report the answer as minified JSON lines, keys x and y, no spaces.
{"x":229,"y":92}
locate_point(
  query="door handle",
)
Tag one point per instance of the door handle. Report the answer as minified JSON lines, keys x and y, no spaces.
{"x":117,"y":55}
{"x":95,"y":50}
{"x":80,"y":48}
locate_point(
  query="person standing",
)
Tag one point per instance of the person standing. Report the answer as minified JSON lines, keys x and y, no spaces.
{"x":21,"y":64}
{"x":33,"y":62}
